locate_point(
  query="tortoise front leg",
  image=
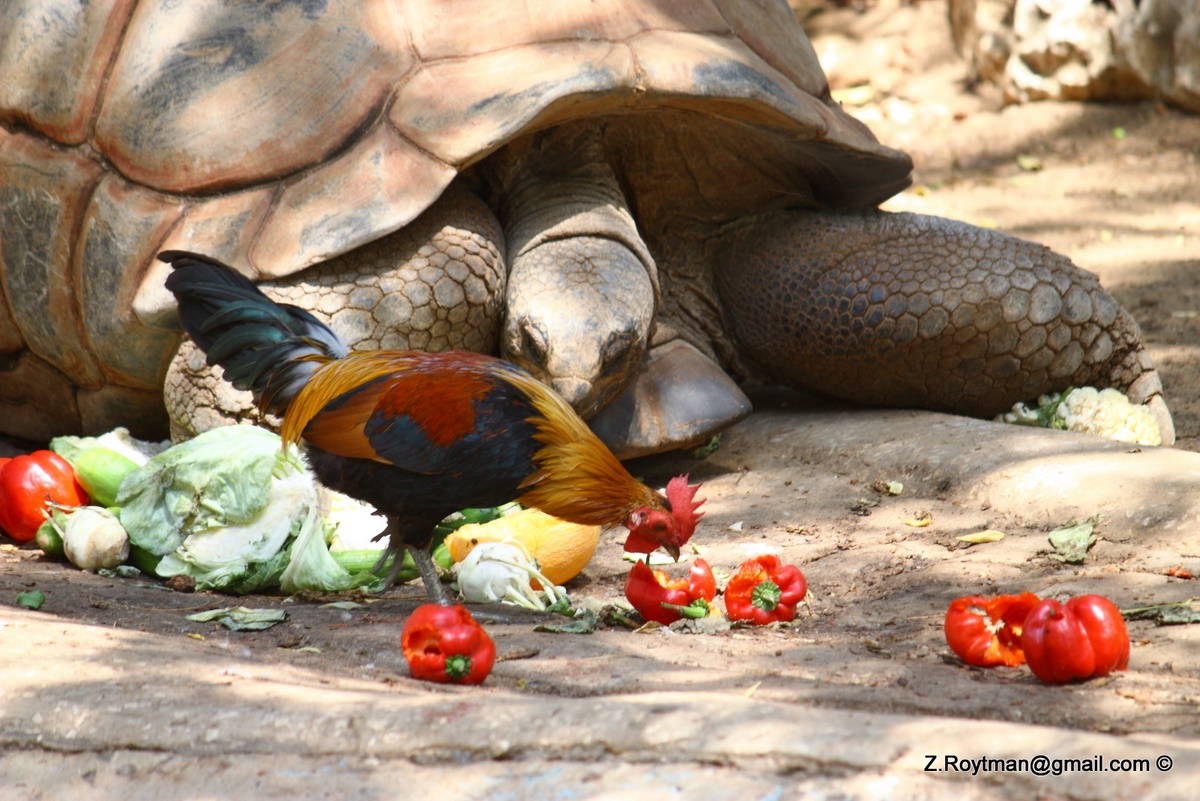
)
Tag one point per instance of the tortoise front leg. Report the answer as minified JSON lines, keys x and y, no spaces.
{"x":911,"y":310}
{"x":679,"y":399}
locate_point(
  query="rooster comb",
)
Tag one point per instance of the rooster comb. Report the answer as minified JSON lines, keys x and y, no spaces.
{"x":681,"y":497}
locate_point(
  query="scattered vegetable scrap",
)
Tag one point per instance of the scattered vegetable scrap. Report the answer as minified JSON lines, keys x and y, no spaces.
{"x":1166,"y":614}
{"x":764,"y":590}
{"x":985,"y":632}
{"x":858,"y":95}
{"x":1080,"y":639}
{"x":503,"y":571}
{"x":1028,"y":163}
{"x":31,"y":599}
{"x":240,"y":618}
{"x":1072,"y":541}
{"x":1083,"y":638}
{"x":560,"y":549}
{"x":1106,"y":412}
{"x":445,"y":644}
{"x":707,"y":449}
{"x":887,"y":487}
{"x":662,"y":599}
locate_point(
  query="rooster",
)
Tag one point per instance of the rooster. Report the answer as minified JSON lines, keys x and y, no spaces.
{"x":418,"y":435}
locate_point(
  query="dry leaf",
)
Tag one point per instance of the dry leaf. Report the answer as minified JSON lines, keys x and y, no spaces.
{"x":988,"y":535}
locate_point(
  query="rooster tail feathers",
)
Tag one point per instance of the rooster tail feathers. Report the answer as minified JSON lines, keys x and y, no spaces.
{"x":266,"y":347}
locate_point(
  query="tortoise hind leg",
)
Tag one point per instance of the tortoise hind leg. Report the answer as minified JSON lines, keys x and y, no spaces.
{"x":911,"y":310}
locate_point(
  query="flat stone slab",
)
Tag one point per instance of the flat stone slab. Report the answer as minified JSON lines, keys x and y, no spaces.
{"x":93,"y":713}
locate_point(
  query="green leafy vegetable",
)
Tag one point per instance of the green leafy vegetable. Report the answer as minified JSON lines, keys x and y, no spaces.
{"x":312,"y":568}
{"x":231,"y":509}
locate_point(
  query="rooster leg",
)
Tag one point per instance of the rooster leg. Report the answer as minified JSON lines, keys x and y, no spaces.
{"x":422,"y":558}
{"x":429,"y":574}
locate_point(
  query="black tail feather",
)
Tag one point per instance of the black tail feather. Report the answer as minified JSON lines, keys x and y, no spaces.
{"x":266,"y":347}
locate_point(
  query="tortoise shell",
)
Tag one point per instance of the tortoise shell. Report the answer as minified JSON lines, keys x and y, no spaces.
{"x":273,"y":136}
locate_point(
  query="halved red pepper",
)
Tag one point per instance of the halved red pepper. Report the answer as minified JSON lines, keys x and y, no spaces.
{"x":27,"y":482}
{"x":660,"y":598}
{"x":986,"y":632}
{"x":445,"y":644}
{"x":764,"y":590}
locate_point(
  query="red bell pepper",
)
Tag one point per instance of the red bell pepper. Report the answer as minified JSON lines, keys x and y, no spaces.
{"x":764,"y":590}
{"x":27,"y":482}
{"x":660,"y":598}
{"x":986,"y":632}
{"x":445,"y":644}
{"x":1080,"y":639}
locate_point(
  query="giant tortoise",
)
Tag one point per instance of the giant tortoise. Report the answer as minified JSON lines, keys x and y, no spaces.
{"x":638,"y":200}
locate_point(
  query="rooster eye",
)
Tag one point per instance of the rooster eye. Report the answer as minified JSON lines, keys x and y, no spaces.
{"x":659,"y":525}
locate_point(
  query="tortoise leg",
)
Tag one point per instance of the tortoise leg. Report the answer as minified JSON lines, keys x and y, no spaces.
{"x":680,"y":398}
{"x":437,"y":284}
{"x":910,"y":310}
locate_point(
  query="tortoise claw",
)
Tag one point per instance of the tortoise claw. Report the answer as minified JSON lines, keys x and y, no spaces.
{"x":678,"y":399}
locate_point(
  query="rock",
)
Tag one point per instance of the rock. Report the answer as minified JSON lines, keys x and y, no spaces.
{"x":1161,"y":43}
{"x":1083,"y":49}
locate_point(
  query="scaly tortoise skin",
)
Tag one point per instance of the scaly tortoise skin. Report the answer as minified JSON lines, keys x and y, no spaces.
{"x":639,"y":201}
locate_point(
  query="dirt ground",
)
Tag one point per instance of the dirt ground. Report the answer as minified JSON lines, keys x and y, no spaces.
{"x":1117,"y":188}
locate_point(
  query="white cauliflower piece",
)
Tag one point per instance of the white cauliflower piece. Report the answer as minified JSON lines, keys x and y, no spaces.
{"x":1106,"y":412}
{"x":501,"y":571}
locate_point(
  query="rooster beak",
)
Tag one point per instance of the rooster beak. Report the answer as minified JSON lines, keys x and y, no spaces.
{"x":673,"y":550}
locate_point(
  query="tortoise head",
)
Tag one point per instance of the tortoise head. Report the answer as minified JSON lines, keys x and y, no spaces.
{"x":578,"y":318}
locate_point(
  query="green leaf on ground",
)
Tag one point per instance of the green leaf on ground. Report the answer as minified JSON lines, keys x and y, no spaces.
{"x":1166,"y":614}
{"x":1071,"y":542}
{"x":239,"y":618}
{"x":31,"y":600}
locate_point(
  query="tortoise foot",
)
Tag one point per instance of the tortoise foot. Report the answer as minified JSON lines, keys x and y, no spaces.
{"x":679,"y":399}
